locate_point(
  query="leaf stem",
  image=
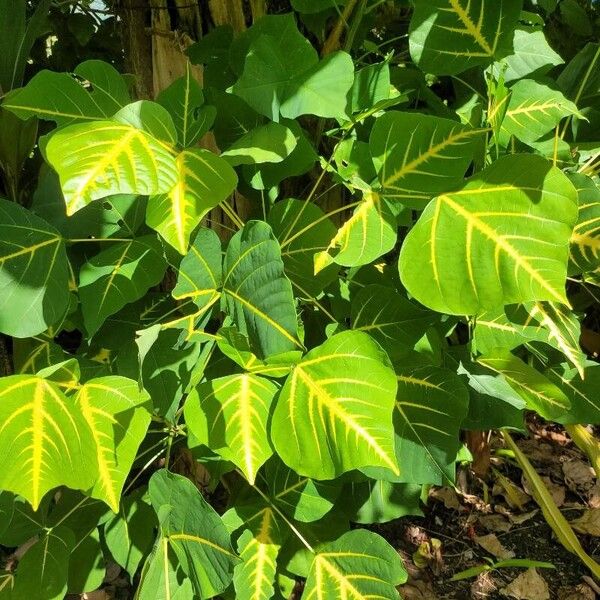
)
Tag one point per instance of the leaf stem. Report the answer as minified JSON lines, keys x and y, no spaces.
{"x":287,"y":521}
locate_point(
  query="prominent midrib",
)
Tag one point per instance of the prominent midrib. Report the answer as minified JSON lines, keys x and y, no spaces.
{"x":103,"y":466}
{"x":337,"y":411}
{"x":89,"y":180}
{"x":432,"y":151}
{"x":471,"y":28}
{"x":492,"y":235}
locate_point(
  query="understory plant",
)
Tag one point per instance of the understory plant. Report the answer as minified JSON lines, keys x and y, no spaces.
{"x":248,"y":319}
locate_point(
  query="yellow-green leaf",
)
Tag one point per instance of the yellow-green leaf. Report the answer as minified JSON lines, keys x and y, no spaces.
{"x":97,"y":159}
{"x":501,"y":239}
{"x":113,"y":407}
{"x":360,"y":565}
{"x":229,"y":415}
{"x":45,"y":441}
{"x":334,"y":412}
{"x":203,"y":181}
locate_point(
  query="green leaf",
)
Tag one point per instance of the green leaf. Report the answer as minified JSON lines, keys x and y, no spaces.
{"x":341,"y":390}
{"x":267,"y":175}
{"x":253,"y":579}
{"x":581,"y":392}
{"x":101,"y":158}
{"x":113,"y":407}
{"x":585,"y":239}
{"x":549,"y":322}
{"x":539,"y":393}
{"x":533,"y":110}
{"x":360,"y":564}
{"x":185,"y":102}
{"x":371,"y":85}
{"x":430,"y":407}
{"x":18,"y":37}
{"x":532,"y":56}
{"x":120,"y":274}
{"x":19,"y":521}
{"x":492,"y":402}
{"x":43,"y":570}
{"x":303,"y":230}
{"x":203,"y":181}
{"x":129,"y":534}
{"x":380,"y":501}
{"x":451,"y":36}
{"x":44,"y":438}
{"x":236,"y":347}
{"x":200,"y":272}
{"x":161,"y":578}
{"x":321,"y":90}
{"x":501,"y":239}
{"x":256,"y":292}
{"x":34,"y":272}
{"x":229,"y":415}
{"x":62,"y":98}
{"x":390,"y":318}
{"x":299,"y":497}
{"x":369,"y":233}
{"x":87,"y":567}
{"x":283,"y":75}
{"x":269,"y":143}
{"x":417,"y":156}
{"x":194,"y":531}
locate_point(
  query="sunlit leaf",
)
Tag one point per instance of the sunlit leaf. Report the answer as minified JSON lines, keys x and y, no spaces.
{"x":533,"y":110}
{"x":502,"y":239}
{"x":203,"y":181}
{"x":360,"y":564}
{"x":101,"y":158}
{"x":368,"y":234}
{"x":585,"y":239}
{"x":539,"y":393}
{"x":230,"y":415}
{"x":113,"y":407}
{"x":341,"y":390}
{"x":417,"y":156}
{"x":44,"y":439}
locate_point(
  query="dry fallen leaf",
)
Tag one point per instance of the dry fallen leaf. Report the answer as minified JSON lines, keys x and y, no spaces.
{"x":581,"y":592}
{"x":594,"y":496}
{"x":579,"y":476}
{"x":520,"y":519}
{"x":588,"y":522}
{"x":530,"y":585}
{"x":495,"y":523}
{"x":418,"y":590}
{"x":483,"y":587}
{"x":446,"y":495}
{"x":492,"y":544}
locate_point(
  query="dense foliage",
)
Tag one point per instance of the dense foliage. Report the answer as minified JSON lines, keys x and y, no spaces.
{"x":409,"y":249}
